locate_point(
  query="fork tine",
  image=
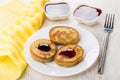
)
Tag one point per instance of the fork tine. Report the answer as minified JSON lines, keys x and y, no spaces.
{"x":106,"y":20}
{"x":112,"y":23}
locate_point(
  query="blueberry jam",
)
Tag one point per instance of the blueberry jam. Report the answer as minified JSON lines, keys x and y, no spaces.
{"x":44,"y":47}
{"x":67,"y":53}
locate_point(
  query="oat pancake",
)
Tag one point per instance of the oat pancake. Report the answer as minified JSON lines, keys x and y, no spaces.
{"x":43,"y":50}
{"x":69,"y":55}
{"x":64,"y":35}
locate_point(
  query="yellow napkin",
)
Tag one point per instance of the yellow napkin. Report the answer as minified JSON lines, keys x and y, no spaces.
{"x":17,"y":22}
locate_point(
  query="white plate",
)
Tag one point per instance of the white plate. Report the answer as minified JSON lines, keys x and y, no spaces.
{"x":88,"y":42}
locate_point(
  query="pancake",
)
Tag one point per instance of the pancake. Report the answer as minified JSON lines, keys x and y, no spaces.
{"x":64,"y":35}
{"x":43,"y":50}
{"x":69,"y":55}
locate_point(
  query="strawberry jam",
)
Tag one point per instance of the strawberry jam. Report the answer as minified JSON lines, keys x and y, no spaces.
{"x":67,"y":53}
{"x":44,"y":47}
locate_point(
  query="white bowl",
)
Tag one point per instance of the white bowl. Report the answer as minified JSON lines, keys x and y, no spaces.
{"x":57,"y":11}
{"x":87,"y":14}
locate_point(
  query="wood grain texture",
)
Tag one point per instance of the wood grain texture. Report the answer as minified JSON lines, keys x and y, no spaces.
{"x":112,"y":65}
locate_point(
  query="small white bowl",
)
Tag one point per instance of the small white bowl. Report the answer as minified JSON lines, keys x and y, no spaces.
{"x":87,"y":14}
{"x":57,"y":11}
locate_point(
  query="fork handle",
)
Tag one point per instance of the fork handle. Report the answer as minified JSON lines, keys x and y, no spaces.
{"x":103,"y":56}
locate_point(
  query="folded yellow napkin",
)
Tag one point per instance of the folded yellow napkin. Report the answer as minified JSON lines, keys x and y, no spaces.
{"x":17,"y":22}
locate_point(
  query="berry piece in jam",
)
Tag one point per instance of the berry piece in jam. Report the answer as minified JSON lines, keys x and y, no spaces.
{"x":67,"y":53}
{"x":44,"y":47}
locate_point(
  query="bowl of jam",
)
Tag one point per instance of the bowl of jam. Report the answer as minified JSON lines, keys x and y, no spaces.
{"x":57,"y":11}
{"x":86,"y":14}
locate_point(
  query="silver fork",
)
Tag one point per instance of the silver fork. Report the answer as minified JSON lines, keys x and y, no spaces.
{"x":108,"y":28}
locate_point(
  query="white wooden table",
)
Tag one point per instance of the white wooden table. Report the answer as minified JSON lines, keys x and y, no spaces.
{"x":112,"y":65}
